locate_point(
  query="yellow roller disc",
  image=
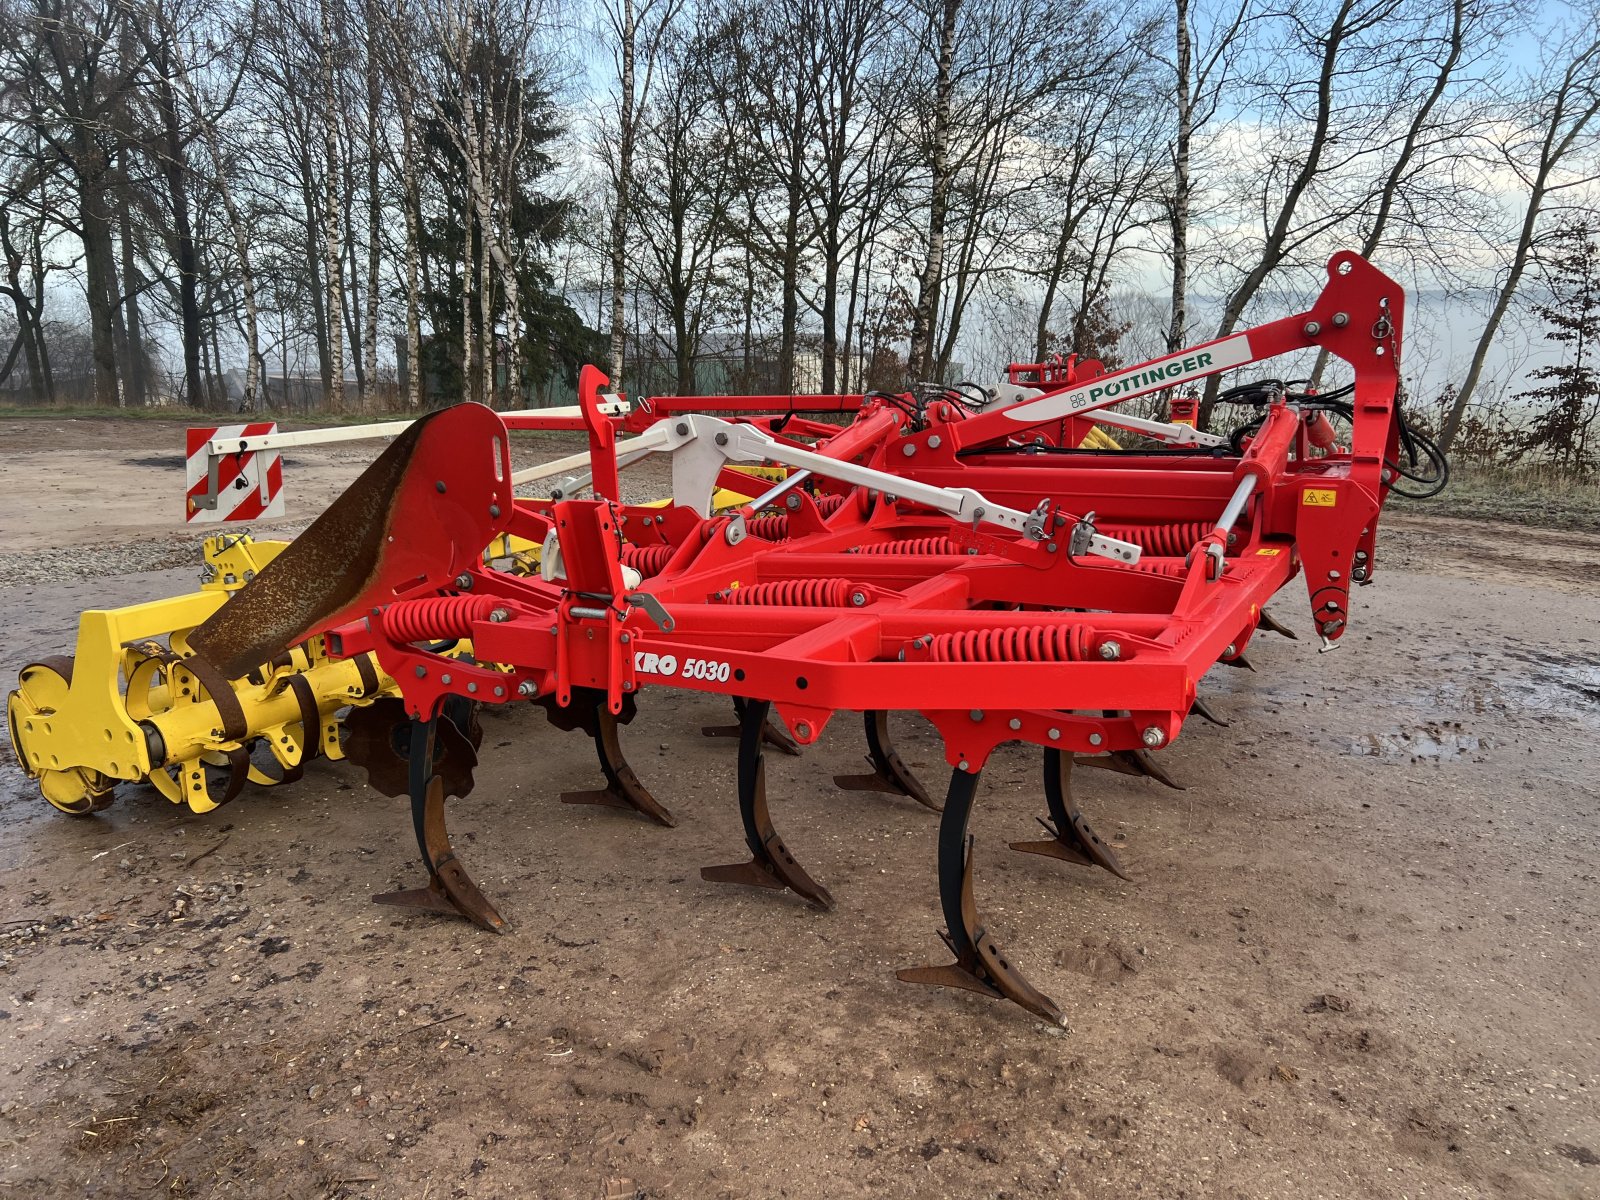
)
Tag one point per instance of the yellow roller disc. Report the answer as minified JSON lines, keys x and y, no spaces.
{"x":41,"y":691}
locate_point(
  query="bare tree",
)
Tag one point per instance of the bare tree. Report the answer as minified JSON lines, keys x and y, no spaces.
{"x":1556,"y":122}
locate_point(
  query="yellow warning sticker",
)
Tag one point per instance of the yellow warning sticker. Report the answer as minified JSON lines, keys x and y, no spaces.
{"x":1270,"y":550}
{"x":1320,"y":497}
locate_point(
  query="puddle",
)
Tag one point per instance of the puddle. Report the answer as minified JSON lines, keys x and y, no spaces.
{"x":1423,"y":743}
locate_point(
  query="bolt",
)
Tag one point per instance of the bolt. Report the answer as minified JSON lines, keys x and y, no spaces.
{"x":1333,"y":574}
{"x":977,"y":513}
{"x":802,"y":729}
{"x":1329,"y":628}
{"x":721,"y":439}
{"x":1095,"y":739}
{"x":626,"y":638}
{"x":464,"y":582}
{"x":962,"y":765}
{"x":438,"y":486}
{"x":1055,"y":735}
{"x":1359,"y":574}
{"x":445,"y":679}
{"x":681,"y":429}
{"x":976,"y":714}
{"x":1015,"y":723}
{"x":858,"y":598}
{"x":934,"y":442}
{"x":791,"y":501}
{"x":1110,"y":650}
{"x":1230,"y":651}
{"x":1340,"y":320}
{"x":422,"y":672}
{"x":1332,"y":606}
{"x":500,"y":615}
{"x":649,"y":520}
{"x":1361,"y":556}
{"x":908,"y":450}
{"x":494,"y":510}
{"x":1312,"y":328}
{"x":1050,"y":547}
{"x":1152,"y":737}
{"x":527,"y":688}
{"x":472,"y":687}
{"x":1388,"y":475}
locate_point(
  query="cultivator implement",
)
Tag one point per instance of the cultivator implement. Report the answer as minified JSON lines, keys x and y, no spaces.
{"x":967,"y":557}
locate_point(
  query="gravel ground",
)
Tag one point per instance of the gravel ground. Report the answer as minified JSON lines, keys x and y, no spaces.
{"x":1357,"y":957}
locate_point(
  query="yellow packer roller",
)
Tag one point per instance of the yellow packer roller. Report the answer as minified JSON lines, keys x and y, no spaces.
{"x":131,"y":706}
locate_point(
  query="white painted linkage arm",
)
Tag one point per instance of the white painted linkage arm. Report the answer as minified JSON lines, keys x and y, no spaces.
{"x":701,"y":444}
{"x":357,"y":433}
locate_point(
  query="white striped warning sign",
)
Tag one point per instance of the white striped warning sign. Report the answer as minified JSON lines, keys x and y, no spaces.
{"x":247,"y":486}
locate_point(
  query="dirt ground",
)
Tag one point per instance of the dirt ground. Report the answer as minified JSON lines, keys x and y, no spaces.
{"x":1358,"y":958}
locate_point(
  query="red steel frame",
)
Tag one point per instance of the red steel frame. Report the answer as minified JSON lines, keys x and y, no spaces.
{"x":811,"y":661}
{"x":992,"y":636}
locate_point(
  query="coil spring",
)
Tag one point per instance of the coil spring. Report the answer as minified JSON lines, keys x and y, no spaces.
{"x":1022,"y":643}
{"x":1170,"y":541}
{"x":774,"y":527}
{"x":916,"y":545}
{"x":807,"y":593}
{"x":436,"y":618}
{"x":1172,"y":568}
{"x":647,"y":560}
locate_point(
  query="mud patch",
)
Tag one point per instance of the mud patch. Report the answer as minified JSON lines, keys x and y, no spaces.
{"x":1433,"y":742}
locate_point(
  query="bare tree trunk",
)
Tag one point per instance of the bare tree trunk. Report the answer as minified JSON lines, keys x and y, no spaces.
{"x":469,"y":376}
{"x":374,"y":224}
{"x":411,"y":201}
{"x":332,"y":225}
{"x":1178,"y":205}
{"x":1272,"y":252}
{"x":488,"y":356}
{"x":619,"y":210}
{"x":236,"y":222}
{"x":927,"y":306}
{"x":28,"y":332}
{"x":132,"y":287}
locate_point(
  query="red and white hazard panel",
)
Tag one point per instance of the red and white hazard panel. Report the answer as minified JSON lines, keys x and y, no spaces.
{"x":245,"y":485}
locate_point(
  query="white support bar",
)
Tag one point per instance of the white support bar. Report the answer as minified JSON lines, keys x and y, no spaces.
{"x":612,"y":407}
{"x":701,"y":444}
{"x":628,"y":452}
{"x":1172,"y":433}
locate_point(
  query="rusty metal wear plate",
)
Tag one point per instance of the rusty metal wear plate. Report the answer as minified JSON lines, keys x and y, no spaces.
{"x":385,"y":538}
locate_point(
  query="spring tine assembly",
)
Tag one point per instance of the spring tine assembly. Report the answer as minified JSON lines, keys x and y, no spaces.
{"x":771,"y":864}
{"x":623,"y":788}
{"x":889,"y":771}
{"x":1071,"y":837}
{"x":771,"y":733}
{"x":449,"y":889}
{"x":980,"y":965}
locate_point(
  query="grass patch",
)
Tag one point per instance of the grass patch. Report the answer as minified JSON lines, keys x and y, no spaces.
{"x":1528,"y":495}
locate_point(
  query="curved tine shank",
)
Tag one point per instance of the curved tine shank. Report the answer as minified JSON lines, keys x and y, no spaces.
{"x":1268,"y":621}
{"x":889,"y":771}
{"x":1203,"y":710}
{"x":771,"y":733}
{"x":980,"y":965}
{"x":623,"y":788}
{"x":450,"y":889}
{"x":1072,"y":840}
{"x":771,"y":864}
